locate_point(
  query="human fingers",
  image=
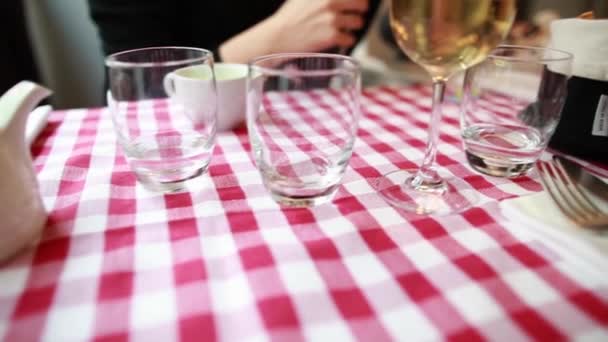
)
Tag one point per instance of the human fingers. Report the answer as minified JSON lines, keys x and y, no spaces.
{"x":348,"y":5}
{"x":343,"y":39}
{"x":348,"y":21}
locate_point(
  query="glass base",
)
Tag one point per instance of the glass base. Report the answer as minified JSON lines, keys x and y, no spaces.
{"x":304,"y":201}
{"x":510,"y":168}
{"x":153,"y":184}
{"x":448,"y":197}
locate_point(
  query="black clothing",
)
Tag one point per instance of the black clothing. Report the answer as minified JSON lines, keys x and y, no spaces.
{"x":16,"y":52}
{"x":130,"y":24}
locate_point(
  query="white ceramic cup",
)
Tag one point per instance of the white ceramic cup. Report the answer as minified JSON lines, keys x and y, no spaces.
{"x":231,"y":81}
{"x":192,"y":88}
{"x":186,"y":85}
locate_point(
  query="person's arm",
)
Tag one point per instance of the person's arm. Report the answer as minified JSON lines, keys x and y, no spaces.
{"x":299,"y":26}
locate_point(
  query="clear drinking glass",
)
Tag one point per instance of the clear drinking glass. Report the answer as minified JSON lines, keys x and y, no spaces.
{"x":163,"y":103}
{"x":444,"y":37}
{"x":511,"y":106}
{"x":302,"y":116}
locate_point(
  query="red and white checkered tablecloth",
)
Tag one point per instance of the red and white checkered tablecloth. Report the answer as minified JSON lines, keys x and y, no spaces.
{"x":224,"y":262}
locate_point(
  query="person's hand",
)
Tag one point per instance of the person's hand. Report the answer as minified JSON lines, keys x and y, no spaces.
{"x":316,"y":25}
{"x":299,"y":26}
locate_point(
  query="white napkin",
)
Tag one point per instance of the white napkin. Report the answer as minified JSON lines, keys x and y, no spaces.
{"x":36,"y":122}
{"x":539,"y":215}
{"x":588,"y":41}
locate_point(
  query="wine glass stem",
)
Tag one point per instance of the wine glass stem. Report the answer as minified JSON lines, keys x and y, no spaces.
{"x":427,"y":176}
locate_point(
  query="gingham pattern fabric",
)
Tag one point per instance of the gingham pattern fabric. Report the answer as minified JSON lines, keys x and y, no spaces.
{"x":223,"y":262}
{"x":306,"y":136}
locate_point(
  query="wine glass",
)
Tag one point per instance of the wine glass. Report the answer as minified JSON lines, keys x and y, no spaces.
{"x":444,"y":37}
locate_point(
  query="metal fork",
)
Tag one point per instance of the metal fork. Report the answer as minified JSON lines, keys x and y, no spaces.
{"x":569,"y":197}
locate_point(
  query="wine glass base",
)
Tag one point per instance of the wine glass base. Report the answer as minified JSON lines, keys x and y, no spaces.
{"x":453,"y":197}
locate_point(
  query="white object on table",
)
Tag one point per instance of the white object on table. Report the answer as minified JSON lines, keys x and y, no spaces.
{"x":588,"y":41}
{"x":540,"y":216}
{"x":36,"y":122}
{"x":21,"y":208}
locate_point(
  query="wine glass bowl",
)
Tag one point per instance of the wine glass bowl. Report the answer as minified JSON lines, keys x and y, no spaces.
{"x":444,"y":37}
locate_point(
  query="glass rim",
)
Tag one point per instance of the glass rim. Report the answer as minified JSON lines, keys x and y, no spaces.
{"x":565,"y":55}
{"x":111,"y":61}
{"x":354,"y":68}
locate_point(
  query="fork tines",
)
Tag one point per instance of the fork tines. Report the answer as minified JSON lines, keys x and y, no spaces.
{"x":569,"y":197}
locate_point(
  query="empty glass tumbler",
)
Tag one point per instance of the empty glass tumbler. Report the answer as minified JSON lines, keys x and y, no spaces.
{"x":163,"y":103}
{"x":511,"y":106}
{"x":302,"y":116}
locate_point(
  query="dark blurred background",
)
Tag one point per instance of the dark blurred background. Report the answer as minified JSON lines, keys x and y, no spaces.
{"x":55,"y":43}
{"x":16,"y":54}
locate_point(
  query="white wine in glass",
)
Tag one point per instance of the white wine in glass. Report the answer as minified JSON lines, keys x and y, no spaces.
{"x":444,"y":37}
